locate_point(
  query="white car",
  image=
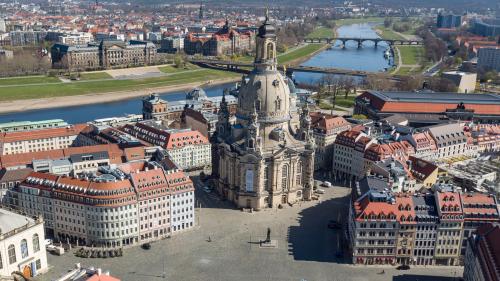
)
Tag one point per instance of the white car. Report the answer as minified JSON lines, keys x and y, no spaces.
{"x":320,"y":191}
{"x":327,"y":184}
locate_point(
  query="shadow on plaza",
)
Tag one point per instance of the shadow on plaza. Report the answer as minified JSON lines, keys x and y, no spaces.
{"x":415,"y":277}
{"x":312,"y":240}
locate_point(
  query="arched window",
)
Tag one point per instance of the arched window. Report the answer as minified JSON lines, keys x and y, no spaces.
{"x":284,"y":177}
{"x":36,"y":243}
{"x":298,"y":177}
{"x":270,"y":50}
{"x":12,"y":254}
{"x":24,"y":248}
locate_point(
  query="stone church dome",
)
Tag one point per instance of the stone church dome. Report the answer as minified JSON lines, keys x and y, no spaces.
{"x":267,"y":93}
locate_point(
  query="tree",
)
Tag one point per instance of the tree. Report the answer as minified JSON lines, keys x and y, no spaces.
{"x":387,"y":22}
{"x":410,"y":83}
{"x":179,"y":61}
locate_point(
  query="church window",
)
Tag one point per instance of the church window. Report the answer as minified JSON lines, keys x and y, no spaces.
{"x":277,"y":104}
{"x":257,"y":105}
{"x":298,"y":177}
{"x":270,"y":50}
{"x":284,"y":177}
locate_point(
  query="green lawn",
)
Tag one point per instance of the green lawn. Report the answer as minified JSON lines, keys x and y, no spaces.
{"x":94,"y":76}
{"x":20,"y":91}
{"x":321,"y":32}
{"x":28,"y":80}
{"x":173,"y":69}
{"x":404,"y":70}
{"x":299,"y":53}
{"x":340,"y":101}
{"x":359,"y":20}
{"x":388,"y":33}
{"x":411,"y":55}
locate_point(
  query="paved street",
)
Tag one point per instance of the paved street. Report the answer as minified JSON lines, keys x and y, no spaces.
{"x":306,"y":248}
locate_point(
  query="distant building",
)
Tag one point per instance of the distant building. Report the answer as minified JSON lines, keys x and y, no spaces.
{"x":482,"y":257}
{"x":6,"y":54}
{"x":489,"y":58}
{"x":172,"y":44}
{"x":76,"y":39}
{"x":104,"y":55}
{"x":486,"y":27}
{"x":27,"y":38}
{"x":39,"y":140}
{"x":465,"y":82}
{"x":32,"y":125}
{"x":155,"y":108}
{"x":448,"y":20}
{"x":3,"y":26}
{"x":22,"y":245}
{"x":429,"y":108}
{"x":226,"y":41}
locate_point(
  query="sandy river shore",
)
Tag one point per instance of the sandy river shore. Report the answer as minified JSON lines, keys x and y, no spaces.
{"x":44,"y":103}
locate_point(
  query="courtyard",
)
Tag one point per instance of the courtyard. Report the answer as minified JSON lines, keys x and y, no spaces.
{"x":225,"y":246}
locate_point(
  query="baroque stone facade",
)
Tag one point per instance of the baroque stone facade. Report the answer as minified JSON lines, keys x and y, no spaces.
{"x":260,"y":160}
{"x":104,"y":55}
{"x":226,"y":41}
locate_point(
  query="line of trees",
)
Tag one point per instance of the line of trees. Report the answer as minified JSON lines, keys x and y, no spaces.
{"x":24,"y":63}
{"x":435,"y":48}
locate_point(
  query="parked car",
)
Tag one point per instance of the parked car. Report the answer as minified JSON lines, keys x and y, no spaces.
{"x":146,"y":246}
{"x":403,"y":267}
{"x":327,"y":184}
{"x":320,"y":191}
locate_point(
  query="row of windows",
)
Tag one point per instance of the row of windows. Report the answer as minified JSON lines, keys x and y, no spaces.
{"x":23,"y":247}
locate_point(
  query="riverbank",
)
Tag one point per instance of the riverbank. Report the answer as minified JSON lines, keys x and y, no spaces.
{"x":98,"y":98}
{"x":301,"y":55}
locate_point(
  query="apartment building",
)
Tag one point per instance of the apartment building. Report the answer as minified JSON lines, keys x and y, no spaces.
{"x":449,"y":230}
{"x":450,"y":140}
{"x":39,"y":140}
{"x":325,"y":128}
{"x":116,"y":207}
{"x":417,"y":229}
{"x":189,"y":149}
{"x":482,"y":257}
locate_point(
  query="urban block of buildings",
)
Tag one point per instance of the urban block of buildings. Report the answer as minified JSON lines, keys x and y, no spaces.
{"x":117,"y":206}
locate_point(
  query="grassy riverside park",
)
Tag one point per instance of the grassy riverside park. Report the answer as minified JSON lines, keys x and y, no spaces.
{"x":321,"y":32}
{"x":298,"y":53}
{"x":349,"y":21}
{"x":28,"y":79}
{"x":30,"y":88}
{"x":388,"y":33}
{"x":411,"y":55}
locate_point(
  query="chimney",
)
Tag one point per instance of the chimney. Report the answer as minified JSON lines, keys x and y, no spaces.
{"x":409,"y":163}
{"x":99,"y":272}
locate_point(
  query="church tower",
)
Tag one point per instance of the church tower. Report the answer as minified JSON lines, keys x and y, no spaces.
{"x":261,"y":162}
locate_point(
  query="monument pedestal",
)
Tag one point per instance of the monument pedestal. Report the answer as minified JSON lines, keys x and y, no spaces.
{"x":269,"y":244}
